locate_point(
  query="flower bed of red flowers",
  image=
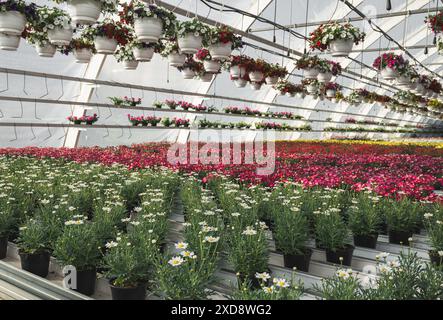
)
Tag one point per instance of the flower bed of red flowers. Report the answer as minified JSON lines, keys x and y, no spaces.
{"x":390,"y":170}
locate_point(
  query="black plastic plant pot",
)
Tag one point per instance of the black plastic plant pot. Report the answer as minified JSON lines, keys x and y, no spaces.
{"x":399,"y":237}
{"x":366,"y":241}
{"x":3,"y":247}
{"x":37,"y":263}
{"x":86,"y":280}
{"x":132,"y":293}
{"x":299,"y":261}
{"x":435,"y":258}
{"x":344,"y":253}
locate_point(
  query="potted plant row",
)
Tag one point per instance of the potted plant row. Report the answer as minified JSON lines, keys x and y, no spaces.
{"x":88,"y":120}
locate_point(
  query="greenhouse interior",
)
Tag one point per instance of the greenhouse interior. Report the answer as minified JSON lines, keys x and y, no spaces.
{"x":221,"y":150}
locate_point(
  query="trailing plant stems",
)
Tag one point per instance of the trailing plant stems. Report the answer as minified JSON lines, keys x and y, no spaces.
{"x":261,"y":40}
{"x":171,"y":91}
{"x":104,"y":105}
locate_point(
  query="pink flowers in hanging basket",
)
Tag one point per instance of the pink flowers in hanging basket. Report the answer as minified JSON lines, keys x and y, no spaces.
{"x":390,"y":60}
{"x":88,"y":120}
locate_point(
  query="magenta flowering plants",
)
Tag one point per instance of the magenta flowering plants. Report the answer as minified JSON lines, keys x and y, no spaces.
{"x":88,"y":120}
{"x":144,"y":120}
{"x":203,"y":55}
{"x":180,"y":122}
{"x":126,"y":101}
{"x":326,"y":66}
{"x":392,"y":61}
{"x":332,"y":86}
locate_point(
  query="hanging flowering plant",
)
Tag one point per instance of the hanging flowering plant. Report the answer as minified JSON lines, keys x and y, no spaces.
{"x":307,"y":62}
{"x":190,"y":63}
{"x":28,"y":10}
{"x":321,"y":37}
{"x":89,"y":120}
{"x":178,"y":122}
{"x":109,"y":29}
{"x":333,"y":67}
{"x":167,"y":47}
{"x":435,"y":22}
{"x":435,"y":86}
{"x":258,"y":65}
{"x":203,"y":55}
{"x":193,"y":26}
{"x":51,"y":18}
{"x":124,"y":53}
{"x":35,"y":37}
{"x":424,"y":80}
{"x":390,"y":60}
{"x":223,"y":34}
{"x":332,"y":86}
{"x":126,"y":101}
{"x":82,"y":43}
{"x":137,"y":9}
{"x":240,"y":61}
{"x":285,"y":86}
{"x":275,"y":70}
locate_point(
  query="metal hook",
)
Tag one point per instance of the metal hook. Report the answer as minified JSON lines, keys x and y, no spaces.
{"x":33,"y":133}
{"x":21,"y":112}
{"x":107,"y":133}
{"x":50,"y":134}
{"x":7,"y":82}
{"x":35,"y":110}
{"x":63,"y":89}
{"x":64,"y":133}
{"x":47,"y":89}
{"x":121,"y":134}
{"x":24,"y":83}
{"x":110,"y":113}
{"x":15,"y":133}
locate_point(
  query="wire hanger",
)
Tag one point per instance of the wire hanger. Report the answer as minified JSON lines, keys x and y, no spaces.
{"x":47,"y":89}
{"x":7,"y":82}
{"x":21,"y":111}
{"x":33,"y":133}
{"x":50,"y":134}
{"x":35,"y":110}
{"x":15,"y":133}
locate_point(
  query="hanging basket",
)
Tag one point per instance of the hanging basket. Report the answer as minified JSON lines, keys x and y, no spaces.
{"x":176,"y":59}
{"x":311,"y":73}
{"x":130,"y":64}
{"x":148,"y":29}
{"x":237,"y":71}
{"x":324,"y":77}
{"x":312,"y":88}
{"x":84,"y":11}
{"x":211,"y":66}
{"x":143,"y":54}
{"x":388,"y":73}
{"x":188,"y":73}
{"x":60,"y":36}
{"x":46,"y":51}
{"x":104,"y":45}
{"x":256,"y":76}
{"x":190,"y":44}
{"x":240,"y":83}
{"x":271,"y":80}
{"x":220,"y":51}
{"x":341,"y":48}
{"x":300,"y":95}
{"x":290,"y":94}
{"x":12,"y":23}
{"x":9,"y":42}
{"x":403,"y":80}
{"x":83,"y":55}
{"x":330,"y":93}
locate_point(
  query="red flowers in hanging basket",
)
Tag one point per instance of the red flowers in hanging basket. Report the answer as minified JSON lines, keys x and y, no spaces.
{"x":435,"y":22}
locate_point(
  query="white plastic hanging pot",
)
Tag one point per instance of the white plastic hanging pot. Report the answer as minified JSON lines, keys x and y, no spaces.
{"x":341,"y":48}
{"x":47,"y":51}
{"x":255,"y":86}
{"x":290,"y":94}
{"x":190,"y":44}
{"x":256,"y":76}
{"x":12,"y":23}
{"x":83,"y":55}
{"x":388,"y":73}
{"x":188,"y":73}
{"x":84,"y":11}
{"x":130,"y":64}
{"x":312,"y":88}
{"x":211,"y":66}
{"x":271,"y":80}
{"x":143,"y":54}
{"x":176,"y":59}
{"x":148,"y":29}
{"x":207,"y":77}
{"x":419,"y":89}
{"x":324,"y":77}
{"x":105,"y":45}
{"x":237,"y":71}
{"x":240,"y":83}
{"x":311,"y":73}
{"x":220,"y":51}
{"x":9,"y":42}
{"x":330,"y":93}
{"x":60,"y":36}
